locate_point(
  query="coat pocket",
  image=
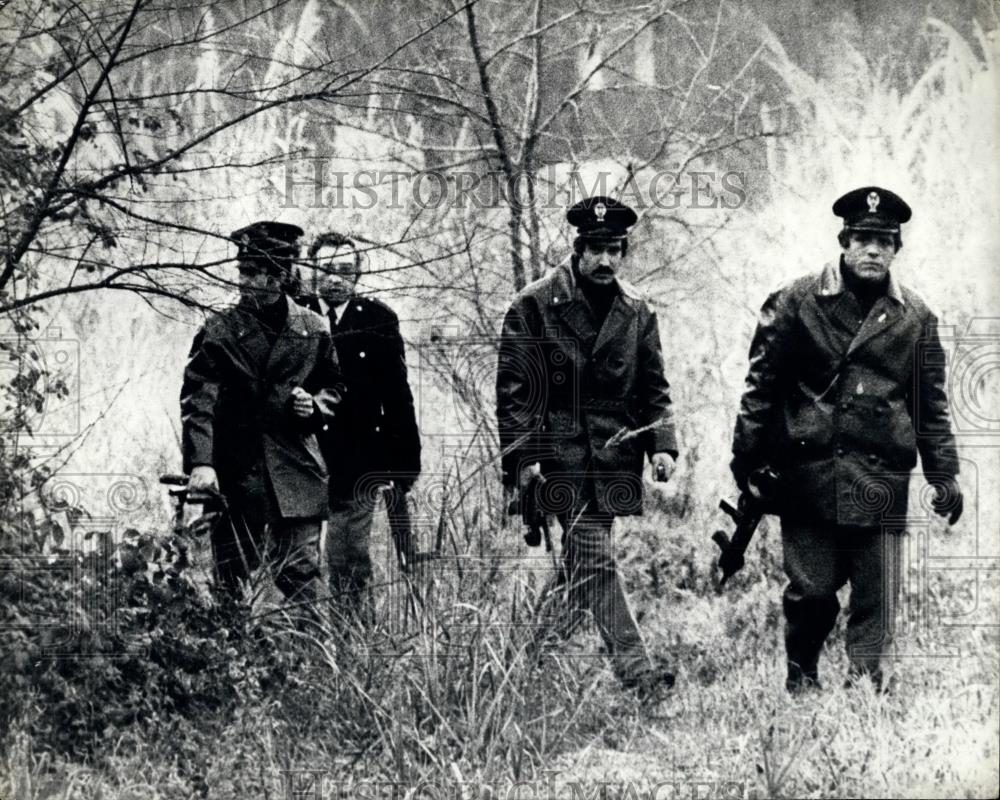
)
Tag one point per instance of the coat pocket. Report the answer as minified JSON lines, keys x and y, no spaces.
{"x":879,"y":428}
{"x":809,"y":426}
{"x":311,"y":444}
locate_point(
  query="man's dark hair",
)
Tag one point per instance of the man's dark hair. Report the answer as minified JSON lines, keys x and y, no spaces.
{"x":334,"y":239}
{"x":844,"y":237}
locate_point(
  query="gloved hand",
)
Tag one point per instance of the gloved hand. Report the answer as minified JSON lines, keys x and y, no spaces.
{"x":741,"y":469}
{"x":948,"y":501}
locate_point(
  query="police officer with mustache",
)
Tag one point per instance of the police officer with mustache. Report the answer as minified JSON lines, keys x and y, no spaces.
{"x":580,"y":362}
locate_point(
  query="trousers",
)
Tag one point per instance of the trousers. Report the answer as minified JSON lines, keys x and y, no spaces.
{"x":348,"y":538}
{"x":252,"y":532}
{"x":591,"y":582}
{"x":819,"y":559}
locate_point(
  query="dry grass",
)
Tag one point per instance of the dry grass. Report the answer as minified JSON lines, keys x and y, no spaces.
{"x":453,"y":699}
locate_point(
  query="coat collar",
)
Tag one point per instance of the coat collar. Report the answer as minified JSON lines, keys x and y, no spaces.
{"x":297,"y":321}
{"x":246,"y":323}
{"x":831,"y":284}
{"x":566,"y":298}
{"x":886,"y":312}
{"x":290,"y":337}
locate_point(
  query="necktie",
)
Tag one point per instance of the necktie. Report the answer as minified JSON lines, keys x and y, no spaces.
{"x":333,"y":317}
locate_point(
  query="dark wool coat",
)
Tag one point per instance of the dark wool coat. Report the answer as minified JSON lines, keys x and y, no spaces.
{"x":564,"y":387}
{"x":375,"y":431}
{"x":842,"y":407}
{"x":236,"y":407}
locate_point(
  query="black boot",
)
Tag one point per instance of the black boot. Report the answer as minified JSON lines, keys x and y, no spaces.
{"x":802,"y":679}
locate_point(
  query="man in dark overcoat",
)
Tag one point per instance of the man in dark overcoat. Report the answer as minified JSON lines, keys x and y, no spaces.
{"x":581,"y":399}
{"x":846,"y":386}
{"x":261,"y":380}
{"x":373,"y":446}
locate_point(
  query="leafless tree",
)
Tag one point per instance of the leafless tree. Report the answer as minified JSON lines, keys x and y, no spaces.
{"x":120,"y":114}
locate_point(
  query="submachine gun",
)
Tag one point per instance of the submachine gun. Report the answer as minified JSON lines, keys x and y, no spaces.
{"x":757,"y":500}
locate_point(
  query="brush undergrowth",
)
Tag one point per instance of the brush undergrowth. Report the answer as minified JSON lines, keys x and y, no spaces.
{"x":193,"y":697}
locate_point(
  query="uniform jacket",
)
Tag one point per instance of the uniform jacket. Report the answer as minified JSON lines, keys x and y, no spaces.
{"x":843,"y":417}
{"x":564,"y":388}
{"x":376,"y":426}
{"x":236,"y":406}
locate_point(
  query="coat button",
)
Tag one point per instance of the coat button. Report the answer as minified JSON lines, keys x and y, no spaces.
{"x":840,"y":451}
{"x":872,"y":458}
{"x":378,"y":428}
{"x":845,"y":406}
{"x":361,"y":354}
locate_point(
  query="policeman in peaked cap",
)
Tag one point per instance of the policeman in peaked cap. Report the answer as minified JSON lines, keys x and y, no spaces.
{"x":846,"y":387}
{"x":580,"y":362}
{"x":600,"y":245}
{"x":261,"y":380}
{"x":870,"y":240}
{"x":273,"y":246}
{"x":601,"y":218}
{"x":873,"y":209}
